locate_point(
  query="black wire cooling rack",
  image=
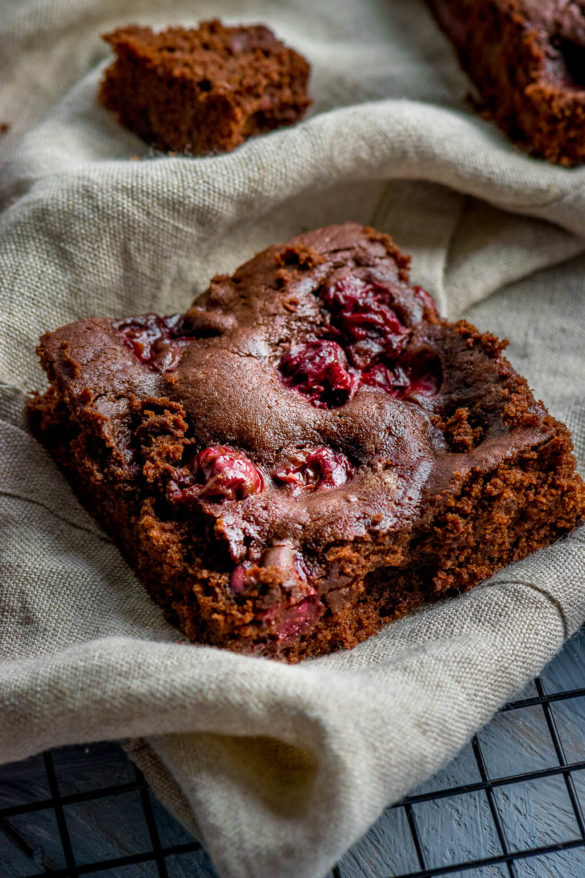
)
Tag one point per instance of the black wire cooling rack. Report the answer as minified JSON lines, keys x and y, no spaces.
{"x":508,"y":858}
{"x":510,"y":806}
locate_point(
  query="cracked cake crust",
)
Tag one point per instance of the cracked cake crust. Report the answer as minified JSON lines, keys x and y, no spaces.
{"x":307,"y":453}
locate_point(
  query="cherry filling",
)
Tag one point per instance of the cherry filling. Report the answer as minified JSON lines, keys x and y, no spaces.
{"x":284,"y":621}
{"x":420,"y":377}
{"x":155,"y":340}
{"x":238,"y":577}
{"x":295,"y":619}
{"x":319,"y":370}
{"x":216,"y":474}
{"x":315,"y":468}
{"x":291,"y":616}
{"x":365,"y":344}
{"x":361,"y":315}
{"x":227,"y":474}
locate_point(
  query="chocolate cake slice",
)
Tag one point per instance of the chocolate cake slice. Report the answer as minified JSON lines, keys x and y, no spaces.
{"x":309,"y":452}
{"x":527,"y":59}
{"x":203,"y":90}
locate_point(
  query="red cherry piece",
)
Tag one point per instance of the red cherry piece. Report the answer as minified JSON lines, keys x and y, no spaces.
{"x":393,"y":381}
{"x":361,"y":312}
{"x":425,"y":385}
{"x":238,"y":578}
{"x":155,"y":340}
{"x":419,"y":378}
{"x":227,"y":474}
{"x":300,"y":617}
{"x":319,"y":370}
{"x":315,"y":468}
{"x":425,"y":375}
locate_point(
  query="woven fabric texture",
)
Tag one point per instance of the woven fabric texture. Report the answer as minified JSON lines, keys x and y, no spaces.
{"x":277,"y":769}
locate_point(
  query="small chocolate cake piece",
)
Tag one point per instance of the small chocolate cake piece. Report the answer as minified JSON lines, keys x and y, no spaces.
{"x":206,"y":90}
{"x":308,"y":452}
{"x":527,"y":59}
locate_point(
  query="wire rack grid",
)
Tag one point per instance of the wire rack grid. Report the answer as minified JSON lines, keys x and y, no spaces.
{"x":511,"y":805}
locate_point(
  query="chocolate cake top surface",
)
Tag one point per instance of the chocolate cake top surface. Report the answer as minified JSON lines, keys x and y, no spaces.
{"x":220,"y":57}
{"x":324,"y":398}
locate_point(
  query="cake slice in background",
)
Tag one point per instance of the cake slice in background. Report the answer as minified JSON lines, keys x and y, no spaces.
{"x":527,"y":60}
{"x":203,"y":90}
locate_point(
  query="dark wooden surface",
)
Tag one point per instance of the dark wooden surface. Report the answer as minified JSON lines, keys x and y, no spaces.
{"x":519,"y":787}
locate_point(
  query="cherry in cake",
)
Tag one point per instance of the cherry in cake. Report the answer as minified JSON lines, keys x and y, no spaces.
{"x":309,"y":451}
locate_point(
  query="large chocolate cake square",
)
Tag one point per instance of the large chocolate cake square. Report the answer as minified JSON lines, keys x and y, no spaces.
{"x":308,"y":452}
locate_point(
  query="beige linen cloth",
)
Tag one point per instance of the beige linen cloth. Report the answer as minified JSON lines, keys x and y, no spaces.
{"x":277,"y":769}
